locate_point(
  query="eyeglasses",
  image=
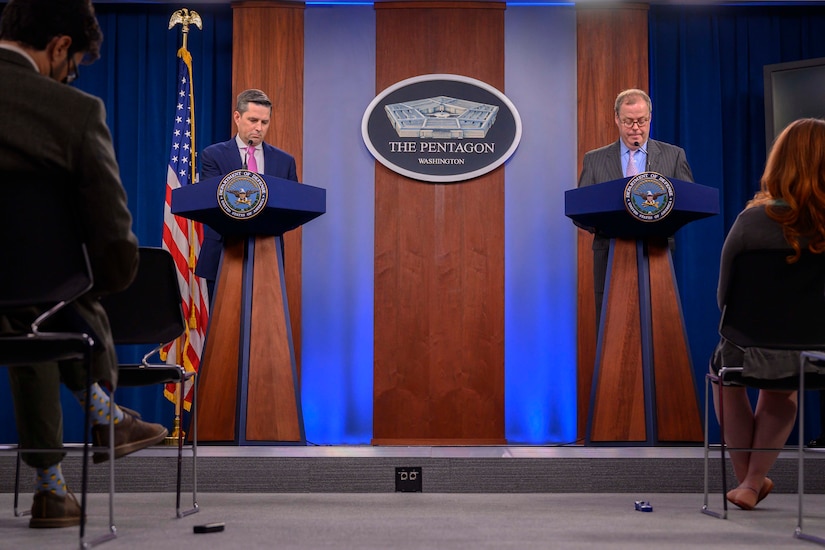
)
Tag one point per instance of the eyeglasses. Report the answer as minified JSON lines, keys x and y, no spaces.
{"x":73,"y":73}
{"x":642,"y":122}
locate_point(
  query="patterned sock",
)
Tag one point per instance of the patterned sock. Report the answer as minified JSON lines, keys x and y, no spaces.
{"x":99,"y":405}
{"x":50,"y":480}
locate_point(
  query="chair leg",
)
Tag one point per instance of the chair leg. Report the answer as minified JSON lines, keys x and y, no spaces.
{"x":798,"y":533}
{"x":722,"y":441}
{"x":194,"y":509}
{"x":720,"y":381}
{"x":84,"y":480}
{"x":705,"y":508}
{"x":112,"y":534}
{"x":111,"y":427}
{"x":179,"y":414}
{"x":194,"y":444}
{"x":18,"y":513}
{"x":709,"y":379}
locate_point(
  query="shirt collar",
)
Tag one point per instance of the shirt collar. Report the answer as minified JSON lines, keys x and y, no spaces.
{"x":16,"y":49}
{"x":241,"y":145}
{"x":626,"y":149}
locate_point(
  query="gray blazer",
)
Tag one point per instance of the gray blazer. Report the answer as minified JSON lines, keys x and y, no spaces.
{"x":49,"y":126}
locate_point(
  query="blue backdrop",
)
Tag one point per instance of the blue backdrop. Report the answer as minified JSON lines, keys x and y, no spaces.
{"x":706,"y":83}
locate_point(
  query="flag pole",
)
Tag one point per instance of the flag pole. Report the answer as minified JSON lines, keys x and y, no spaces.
{"x":184,"y":17}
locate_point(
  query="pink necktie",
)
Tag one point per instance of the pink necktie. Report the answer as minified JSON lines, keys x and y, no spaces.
{"x":251,"y":163}
{"x":631,"y":165}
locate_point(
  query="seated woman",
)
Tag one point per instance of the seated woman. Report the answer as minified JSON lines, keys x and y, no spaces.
{"x":788,"y":212}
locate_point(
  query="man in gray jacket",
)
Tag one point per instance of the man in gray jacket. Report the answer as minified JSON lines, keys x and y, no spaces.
{"x":633,"y":153}
{"x":48,"y":127}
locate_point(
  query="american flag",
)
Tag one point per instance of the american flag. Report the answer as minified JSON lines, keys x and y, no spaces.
{"x":183,"y":237}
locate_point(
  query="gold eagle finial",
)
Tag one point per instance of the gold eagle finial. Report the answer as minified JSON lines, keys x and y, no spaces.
{"x":185,"y":17}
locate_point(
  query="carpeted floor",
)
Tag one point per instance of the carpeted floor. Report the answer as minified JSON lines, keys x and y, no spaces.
{"x":444,"y":521}
{"x":473,"y":497}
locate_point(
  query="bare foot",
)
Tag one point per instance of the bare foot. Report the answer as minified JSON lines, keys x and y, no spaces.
{"x":767,"y":487}
{"x":744,"y":497}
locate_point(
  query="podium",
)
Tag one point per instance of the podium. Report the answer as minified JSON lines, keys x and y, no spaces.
{"x":643,"y":390}
{"x":249,"y":392}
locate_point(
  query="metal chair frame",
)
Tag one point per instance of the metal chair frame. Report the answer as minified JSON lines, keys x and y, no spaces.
{"x":150,"y":312}
{"x":19,"y":349}
{"x":147,"y":312}
{"x":46,"y":267}
{"x":776,"y":305}
{"x":816,"y":359}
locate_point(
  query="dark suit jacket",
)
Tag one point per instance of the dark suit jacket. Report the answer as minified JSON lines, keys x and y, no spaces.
{"x":217,"y":160}
{"x":48,"y":126}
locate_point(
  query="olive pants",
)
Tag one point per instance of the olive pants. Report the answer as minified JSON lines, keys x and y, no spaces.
{"x":37,"y":410}
{"x":36,"y":388}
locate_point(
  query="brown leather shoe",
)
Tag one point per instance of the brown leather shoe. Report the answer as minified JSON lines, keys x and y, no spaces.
{"x":131,"y":434}
{"x":50,"y":510}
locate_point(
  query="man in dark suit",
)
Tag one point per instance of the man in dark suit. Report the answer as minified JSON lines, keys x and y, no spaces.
{"x":52,"y":128}
{"x":634,"y":151}
{"x":253,"y":113}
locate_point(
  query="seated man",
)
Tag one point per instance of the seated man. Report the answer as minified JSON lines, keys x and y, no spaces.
{"x":51,"y":126}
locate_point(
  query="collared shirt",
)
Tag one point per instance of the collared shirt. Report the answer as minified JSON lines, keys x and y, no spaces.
{"x":640,"y":157}
{"x":22,"y":52}
{"x":259,"y":153}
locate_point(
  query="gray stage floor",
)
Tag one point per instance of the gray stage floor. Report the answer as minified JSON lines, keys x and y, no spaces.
{"x":420,"y":520}
{"x":473,"y":497}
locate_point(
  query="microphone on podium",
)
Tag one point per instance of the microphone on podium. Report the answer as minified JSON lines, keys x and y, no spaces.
{"x":246,"y":155}
{"x":647,"y":157}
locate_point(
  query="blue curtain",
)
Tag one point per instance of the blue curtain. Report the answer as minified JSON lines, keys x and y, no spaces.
{"x":706,"y":82}
{"x":136,"y":78}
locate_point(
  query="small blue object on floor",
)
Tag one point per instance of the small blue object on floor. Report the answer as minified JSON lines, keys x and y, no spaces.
{"x":643,"y":506}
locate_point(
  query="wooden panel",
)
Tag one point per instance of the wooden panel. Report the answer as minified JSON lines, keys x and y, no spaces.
{"x":272,"y":411}
{"x":677,"y":408}
{"x":439,"y":250}
{"x":612,"y":55}
{"x":268,"y":54}
{"x":218,"y":385}
{"x":619,"y":404}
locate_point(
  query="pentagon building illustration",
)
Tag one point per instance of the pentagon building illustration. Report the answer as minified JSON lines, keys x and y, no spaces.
{"x":442,"y":118}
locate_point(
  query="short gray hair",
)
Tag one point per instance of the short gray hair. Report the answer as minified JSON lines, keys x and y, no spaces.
{"x":630,"y":97}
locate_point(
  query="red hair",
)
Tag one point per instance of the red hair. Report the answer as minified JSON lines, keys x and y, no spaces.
{"x":793,"y":185}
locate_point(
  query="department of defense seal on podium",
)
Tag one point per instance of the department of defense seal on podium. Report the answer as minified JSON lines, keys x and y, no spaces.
{"x":649,"y":196}
{"x":242,"y":194}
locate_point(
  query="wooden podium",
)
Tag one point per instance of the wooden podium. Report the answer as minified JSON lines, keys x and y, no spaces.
{"x":643,"y":390}
{"x":248,"y":391}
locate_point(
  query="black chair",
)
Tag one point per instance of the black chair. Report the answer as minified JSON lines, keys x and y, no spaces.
{"x":770,"y":304}
{"x":45,"y":268}
{"x":150,"y":312}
